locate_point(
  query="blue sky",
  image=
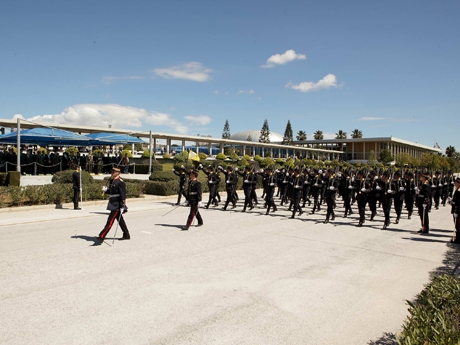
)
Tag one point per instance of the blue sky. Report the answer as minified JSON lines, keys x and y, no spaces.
{"x":388,"y":68}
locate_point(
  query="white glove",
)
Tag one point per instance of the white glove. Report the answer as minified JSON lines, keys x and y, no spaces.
{"x":376,"y":177}
{"x":440,"y":185}
{"x":199,"y":203}
{"x":173,"y":169}
{"x":455,"y":215}
{"x":389,"y":191}
{"x":228,"y":181}
{"x":339,"y":175}
{"x":401,"y":188}
{"x":272,"y":184}
{"x":363,"y":190}
{"x":416,"y":188}
{"x":261,"y":170}
{"x":331,"y":188}
{"x":316,"y":185}
{"x":81,"y":190}
{"x":350,"y":187}
{"x":425,"y":205}
{"x":104,"y":189}
{"x":287,"y":174}
{"x":182,"y":167}
{"x":246,"y":181}
{"x":219,"y":167}
{"x":378,"y":188}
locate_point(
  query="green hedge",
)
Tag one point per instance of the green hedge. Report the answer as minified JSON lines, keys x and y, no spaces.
{"x":144,"y":168}
{"x":435,"y":316}
{"x":163,"y":176}
{"x":160,"y":188}
{"x":3,"y":179}
{"x":13,"y":178}
{"x":59,"y":193}
{"x":66,"y":177}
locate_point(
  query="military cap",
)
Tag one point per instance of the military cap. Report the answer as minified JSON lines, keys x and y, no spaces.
{"x":457,"y":180}
{"x":115,"y":169}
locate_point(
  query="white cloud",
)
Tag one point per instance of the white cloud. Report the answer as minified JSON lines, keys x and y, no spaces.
{"x":369,"y":118}
{"x":281,"y":59}
{"x":198,"y":120}
{"x":111,"y":80}
{"x":327,"y":82}
{"x":250,"y":92}
{"x":216,"y":92}
{"x":118,"y":116}
{"x":326,"y":135}
{"x":15,"y":116}
{"x":188,"y":71}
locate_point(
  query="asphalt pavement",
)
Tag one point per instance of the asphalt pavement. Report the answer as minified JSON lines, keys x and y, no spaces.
{"x":242,"y":278}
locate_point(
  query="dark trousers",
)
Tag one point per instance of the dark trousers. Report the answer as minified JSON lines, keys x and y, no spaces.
{"x":347,"y":196}
{"x":180,"y":193}
{"x":230,"y":198}
{"x":372,"y":200}
{"x":398,"y":206}
{"x":386,"y":206}
{"x":361,"y":207}
{"x":76,"y":197}
{"x":247,"y":197}
{"x":269,"y":199}
{"x":194,"y":212}
{"x":409,"y":201}
{"x":296,"y":201}
{"x":330,"y":202}
{"x":212,"y":194}
{"x":114,"y":215}
{"x":457,"y":228}
{"x":425,"y":220}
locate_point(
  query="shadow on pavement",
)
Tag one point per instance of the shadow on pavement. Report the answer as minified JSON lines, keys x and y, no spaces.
{"x":450,"y":265}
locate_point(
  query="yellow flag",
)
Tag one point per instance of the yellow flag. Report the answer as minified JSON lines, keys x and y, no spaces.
{"x":193,"y":156}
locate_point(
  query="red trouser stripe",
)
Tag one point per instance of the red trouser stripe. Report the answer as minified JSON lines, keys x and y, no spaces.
{"x":109,"y":224}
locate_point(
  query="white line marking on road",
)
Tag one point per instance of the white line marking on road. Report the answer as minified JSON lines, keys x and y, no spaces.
{"x":146,"y":232}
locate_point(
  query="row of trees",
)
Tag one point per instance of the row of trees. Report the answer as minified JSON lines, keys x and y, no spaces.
{"x":288,"y":137}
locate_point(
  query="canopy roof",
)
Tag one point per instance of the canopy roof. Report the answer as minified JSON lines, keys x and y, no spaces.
{"x":113,"y":139}
{"x":58,"y":137}
{"x":46,"y":136}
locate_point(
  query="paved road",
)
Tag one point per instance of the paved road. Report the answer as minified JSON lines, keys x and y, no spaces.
{"x":242,"y":278}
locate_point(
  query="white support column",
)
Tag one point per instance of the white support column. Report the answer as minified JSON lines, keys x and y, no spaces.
{"x":197,"y":146}
{"x":221,"y":147}
{"x":352,"y":150}
{"x":209,"y":149}
{"x":183,"y":145}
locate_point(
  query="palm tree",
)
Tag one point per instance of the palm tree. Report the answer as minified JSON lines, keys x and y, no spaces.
{"x":301,"y":135}
{"x":356,"y":134}
{"x":450,"y":151}
{"x":318,"y":135}
{"x":340,"y":135}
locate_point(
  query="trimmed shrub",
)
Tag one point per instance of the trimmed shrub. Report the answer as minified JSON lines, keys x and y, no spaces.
{"x":163,"y":176}
{"x":16,"y":195}
{"x":202,"y":155}
{"x":4,"y":195}
{"x":3,"y":179}
{"x":66,"y":177}
{"x":160,"y":188}
{"x":166,"y":156}
{"x":34,"y":195}
{"x":13,"y":178}
{"x":435,"y":316}
{"x":221,"y":156}
{"x":257,"y":158}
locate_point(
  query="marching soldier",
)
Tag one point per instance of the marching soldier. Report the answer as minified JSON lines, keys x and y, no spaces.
{"x":409,"y":193}
{"x":400,"y":189}
{"x":306,"y":187}
{"x":347,"y":190}
{"x":374,"y":193}
{"x":362,"y":187}
{"x":182,"y":179}
{"x":194,"y":195}
{"x":316,"y":186}
{"x":230,"y":186}
{"x":212,"y":185}
{"x":330,"y":191}
{"x":270,"y":190}
{"x":388,"y":191}
{"x":456,"y":210}
{"x":248,"y":179}
{"x":423,"y":203}
{"x":436,"y":188}
{"x":116,"y":205}
{"x":296,"y":191}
